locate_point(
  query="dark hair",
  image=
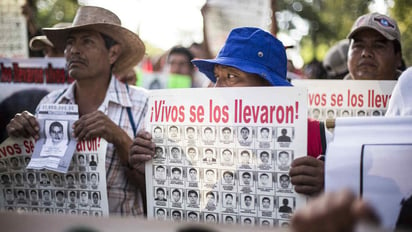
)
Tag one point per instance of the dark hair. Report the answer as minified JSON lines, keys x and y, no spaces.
{"x":183,"y":51}
{"x":108,"y":41}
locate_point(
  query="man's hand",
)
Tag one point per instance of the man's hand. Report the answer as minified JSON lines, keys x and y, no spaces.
{"x":142,"y":150}
{"x":97,"y":124}
{"x":338,"y":211}
{"x":23,"y":125}
{"x":307,"y":174}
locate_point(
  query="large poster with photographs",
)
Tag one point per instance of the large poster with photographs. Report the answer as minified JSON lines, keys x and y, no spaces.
{"x":224,"y":155}
{"x":329,"y":99}
{"x":80,"y":191}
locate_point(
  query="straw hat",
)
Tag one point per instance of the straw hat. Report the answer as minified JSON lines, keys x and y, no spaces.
{"x":106,"y":22}
{"x":38,"y":43}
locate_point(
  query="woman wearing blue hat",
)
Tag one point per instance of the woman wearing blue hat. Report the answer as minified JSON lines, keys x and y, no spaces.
{"x":252,"y":57}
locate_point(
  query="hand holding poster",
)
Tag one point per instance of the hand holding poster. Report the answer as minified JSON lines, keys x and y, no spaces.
{"x":218,"y":157}
{"x":82,"y":190}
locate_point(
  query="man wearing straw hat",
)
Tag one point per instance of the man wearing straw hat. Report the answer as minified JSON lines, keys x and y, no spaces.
{"x":41,"y":43}
{"x":96,"y":45}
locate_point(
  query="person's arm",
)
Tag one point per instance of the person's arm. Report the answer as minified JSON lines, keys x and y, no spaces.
{"x":339,"y":211}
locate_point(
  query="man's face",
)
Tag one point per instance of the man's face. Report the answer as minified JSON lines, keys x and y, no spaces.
{"x":176,"y":216}
{"x":87,"y":56}
{"x":159,"y":152}
{"x":228,"y":178}
{"x":227,"y":156}
{"x":245,"y":157}
{"x":210,"y":198}
{"x":30,"y":178}
{"x":192,"y":198}
{"x":157,"y":133}
{"x":210,"y":218}
{"x":264,"y":180}
{"x":192,"y":217}
{"x":208,"y":134}
{"x":372,"y":57}
{"x":248,"y":201}
{"x":160,"y":194}
{"x":70,"y":180}
{"x":19,"y":178}
{"x":160,"y":215}
{"x":193,"y":174}
{"x":59,"y":196}
{"x":244,"y":133}
{"x":83,"y":178}
{"x":173,"y":132}
{"x":283,"y":158}
{"x":266,"y":203}
{"x":232,"y":77}
{"x":246,"y":178}
{"x":226,"y":134}
{"x":33,"y":195}
{"x":179,"y":64}
{"x":14,"y":162}
{"x":209,"y":154}
{"x":46,"y":195}
{"x":229,"y":199}
{"x":284,"y":181}
{"x":190,"y":133}
{"x":229,"y":220}
{"x":210,"y":175}
{"x":81,"y":160}
{"x":95,"y":198}
{"x":176,"y":175}
{"x":264,"y":157}
{"x":192,"y":153}
{"x":56,"y":133}
{"x":175,"y":153}
{"x":176,"y":196}
{"x":72,"y":196}
{"x":264,"y":134}
{"x":93,"y":178}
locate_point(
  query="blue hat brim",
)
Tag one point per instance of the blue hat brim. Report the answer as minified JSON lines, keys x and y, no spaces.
{"x":206,"y":66}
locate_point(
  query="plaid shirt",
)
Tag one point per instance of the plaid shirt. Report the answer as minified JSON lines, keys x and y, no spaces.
{"x":124,"y":198}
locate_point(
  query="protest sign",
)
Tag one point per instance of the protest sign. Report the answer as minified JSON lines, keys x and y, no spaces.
{"x":13,"y":28}
{"x":372,"y":157}
{"x":81,"y":191}
{"x":39,"y":73}
{"x":329,"y":99}
{"x":221,"y":16}
{"x":218,"y":157}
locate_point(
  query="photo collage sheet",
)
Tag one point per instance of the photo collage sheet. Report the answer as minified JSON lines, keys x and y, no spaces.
{"x":225,"y":159}
{"x":329,"y":99}
{"x":78,"y":190}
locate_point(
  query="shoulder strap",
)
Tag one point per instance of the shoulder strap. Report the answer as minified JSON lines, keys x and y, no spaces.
{"x":322,"y":136}
{"x":129,"y":113}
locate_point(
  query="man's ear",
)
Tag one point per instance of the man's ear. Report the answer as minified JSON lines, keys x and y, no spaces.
{"x":114,"y":53}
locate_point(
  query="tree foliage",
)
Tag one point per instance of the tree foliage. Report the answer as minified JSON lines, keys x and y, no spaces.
{"x":50,"y":12}
{"x":401,"y":12}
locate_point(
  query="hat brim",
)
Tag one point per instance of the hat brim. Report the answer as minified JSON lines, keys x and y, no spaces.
{"x":362,"y":28}
{"x":38,"y":43}
{"x":132,"y":47}
{"x":206,"y":66}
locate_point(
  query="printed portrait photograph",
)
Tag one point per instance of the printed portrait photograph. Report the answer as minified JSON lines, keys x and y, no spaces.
{"x":190,"y":133}
{"x":226,"y":134}
{"x":56,"y":132}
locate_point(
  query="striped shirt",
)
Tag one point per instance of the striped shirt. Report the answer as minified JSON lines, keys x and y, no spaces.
{"x":125,"y":199}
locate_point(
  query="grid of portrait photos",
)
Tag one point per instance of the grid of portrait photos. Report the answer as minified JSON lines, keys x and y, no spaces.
{"x":75,"y":192}
{"x":222,"y":174}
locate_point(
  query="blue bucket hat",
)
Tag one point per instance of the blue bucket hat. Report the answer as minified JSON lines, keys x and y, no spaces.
{"x":250,"y":50}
